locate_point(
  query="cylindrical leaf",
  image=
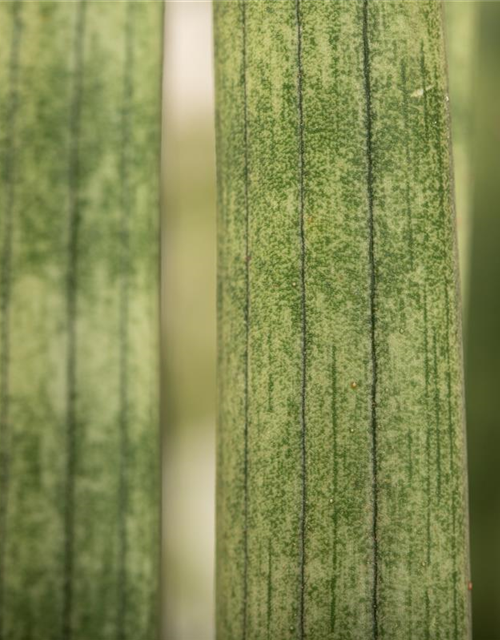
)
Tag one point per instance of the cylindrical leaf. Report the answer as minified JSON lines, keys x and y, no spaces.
{"x":341,"y":497}
{"x":79,"y":126}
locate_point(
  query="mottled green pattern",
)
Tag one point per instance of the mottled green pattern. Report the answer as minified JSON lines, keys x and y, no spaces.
{"x":341,"y":485}
{"x":461,"y":44}
{"x":79,"y":127}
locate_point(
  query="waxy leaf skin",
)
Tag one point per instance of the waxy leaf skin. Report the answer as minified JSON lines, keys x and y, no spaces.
{"x":341,"y":483}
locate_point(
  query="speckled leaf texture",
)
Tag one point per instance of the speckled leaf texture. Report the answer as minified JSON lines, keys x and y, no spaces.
{"x":79,"y":189}
{"x":341,"y":485}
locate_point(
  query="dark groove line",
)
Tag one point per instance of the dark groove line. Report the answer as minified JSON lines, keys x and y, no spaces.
{"x":71,"y":311}
{"x":437,"y":413}
{"x":126,"y":206}
{"x":269,"y":588}
{"x":428,"y":456}
{"x":410,"y":458}
{"x":424,"y":86}
{"x":373,"y":294}
{"x":448,"y":378}
{"x":440,"y":137}
{"x":270,"y":380}
{"x":303,"y":514}
{"x":445,"y":228}
{"x":247,"y":320}
{"x":409,"y":602}
{"x":333,"y":584}
{"x":410,"y":591}
{"x":5,"y":296}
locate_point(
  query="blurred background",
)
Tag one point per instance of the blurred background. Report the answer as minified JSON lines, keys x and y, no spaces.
{"x":189,"y":263}
{"x":189,"y":312}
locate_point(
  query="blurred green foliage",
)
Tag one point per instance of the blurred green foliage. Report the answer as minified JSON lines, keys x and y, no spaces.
{"x":461,"y":41}
{"x":189,"y":286}
{"x":482,"y":357}
{"x":189,"y":379}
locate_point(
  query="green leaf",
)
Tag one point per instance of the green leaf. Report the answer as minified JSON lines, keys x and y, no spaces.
{"x":341,"y":485}
{"x":79,"y":127}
